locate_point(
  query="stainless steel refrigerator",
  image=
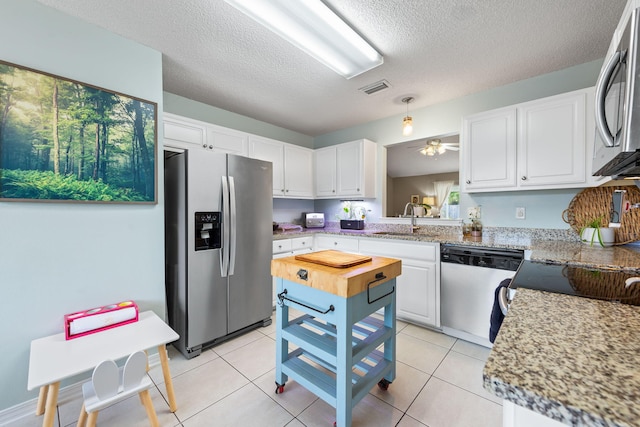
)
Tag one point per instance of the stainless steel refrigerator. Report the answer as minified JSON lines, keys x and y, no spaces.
{"x":218,"y":234}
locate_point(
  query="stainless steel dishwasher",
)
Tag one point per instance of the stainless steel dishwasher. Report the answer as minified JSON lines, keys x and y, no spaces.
{"x":469,"y":276}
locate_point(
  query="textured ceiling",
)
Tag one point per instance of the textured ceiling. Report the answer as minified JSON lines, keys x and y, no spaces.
{"x":434,"y":50}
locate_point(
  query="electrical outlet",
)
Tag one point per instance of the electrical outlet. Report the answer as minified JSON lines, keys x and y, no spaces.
{"x":520,"y":213}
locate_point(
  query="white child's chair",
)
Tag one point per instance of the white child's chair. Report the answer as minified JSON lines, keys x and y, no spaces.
{"x":110,"y":384}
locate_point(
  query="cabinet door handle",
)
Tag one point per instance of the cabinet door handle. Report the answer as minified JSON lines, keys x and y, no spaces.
{"x":204,"y":145}
{"x":524,"y":178}
{"x":468,"y":181}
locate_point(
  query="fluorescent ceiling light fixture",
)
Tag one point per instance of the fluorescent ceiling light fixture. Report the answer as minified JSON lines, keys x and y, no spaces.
{"x":312,"y":27}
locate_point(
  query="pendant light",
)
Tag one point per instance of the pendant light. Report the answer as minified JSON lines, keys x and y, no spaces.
{"x":407,"y":122}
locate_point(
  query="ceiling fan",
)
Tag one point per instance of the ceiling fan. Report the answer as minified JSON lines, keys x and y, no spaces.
{"x":436,"y":146}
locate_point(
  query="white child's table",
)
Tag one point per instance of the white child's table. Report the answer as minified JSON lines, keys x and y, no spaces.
{"x":54,"y":358}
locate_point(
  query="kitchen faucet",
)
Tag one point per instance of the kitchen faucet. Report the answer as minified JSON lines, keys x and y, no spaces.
{"x":412,"y":226}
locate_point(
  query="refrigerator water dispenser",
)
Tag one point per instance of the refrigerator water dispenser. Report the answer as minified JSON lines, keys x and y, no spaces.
{"x":207,"y":232}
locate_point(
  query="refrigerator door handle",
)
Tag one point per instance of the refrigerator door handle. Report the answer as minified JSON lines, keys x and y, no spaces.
{"x":224,"y":253}
{"x":234,"y":225}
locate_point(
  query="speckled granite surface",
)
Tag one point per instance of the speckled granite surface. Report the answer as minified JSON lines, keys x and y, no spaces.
{"x":546,"y":245}
{"x":575,"y":360}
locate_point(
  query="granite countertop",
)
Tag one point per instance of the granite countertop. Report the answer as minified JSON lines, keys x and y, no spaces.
{"x":548,"y":246}
{"x":572,"y":359}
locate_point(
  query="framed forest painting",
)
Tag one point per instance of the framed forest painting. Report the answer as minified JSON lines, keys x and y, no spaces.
{"x":62,"y":140}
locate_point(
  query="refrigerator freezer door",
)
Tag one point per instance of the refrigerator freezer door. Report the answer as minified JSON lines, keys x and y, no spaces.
{"x":206,"y":302}
{"x":250,"y":298}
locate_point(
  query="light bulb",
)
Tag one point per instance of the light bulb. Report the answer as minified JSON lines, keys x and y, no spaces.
{"x":407,"y":126}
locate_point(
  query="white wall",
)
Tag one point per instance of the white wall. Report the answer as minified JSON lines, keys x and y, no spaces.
{"x":56,"y":258}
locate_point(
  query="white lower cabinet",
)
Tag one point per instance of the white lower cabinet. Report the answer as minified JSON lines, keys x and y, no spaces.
{"x":289,"y":247}
{"x":517,"y":416}
{"x":418,"y":293}
{"x":418,"y":287}
{"x":339,"y":243}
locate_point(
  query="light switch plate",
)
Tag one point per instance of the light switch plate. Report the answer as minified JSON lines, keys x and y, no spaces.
{"x":520,"y":213}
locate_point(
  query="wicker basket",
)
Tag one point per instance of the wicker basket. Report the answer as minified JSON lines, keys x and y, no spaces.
{"x":608,"y":285}
{"x":595,"y":202}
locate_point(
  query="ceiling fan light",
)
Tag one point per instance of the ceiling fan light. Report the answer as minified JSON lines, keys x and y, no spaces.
{"x":407,"y":126}
{"x":430,"y":151}
{"x":441,"y":149}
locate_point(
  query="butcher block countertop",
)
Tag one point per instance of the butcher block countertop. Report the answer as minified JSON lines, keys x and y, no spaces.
{"x":344,"y":282}
{"x":572,"y":359}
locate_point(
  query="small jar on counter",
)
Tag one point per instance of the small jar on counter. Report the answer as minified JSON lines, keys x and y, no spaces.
{"x":476,"y":228}
{"x":466,"y":229}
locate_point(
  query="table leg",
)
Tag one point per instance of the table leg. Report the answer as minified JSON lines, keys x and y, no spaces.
{"x":168,"y":383}
{"x":42,"y":400}
{"x":344,"y":365}
{"x":52,"y":402}
{"x":282,"y":346}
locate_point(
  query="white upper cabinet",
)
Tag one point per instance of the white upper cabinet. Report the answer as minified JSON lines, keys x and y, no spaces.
{"x":183,"y":132}
{"x":226,"y":140}
{"x":488,"y":150}
{"x":292,"y":166}
{"x":541,"y":144}
{"x":346,"y":170}
{"x":325,"y":168}
{"x":551,"y":141}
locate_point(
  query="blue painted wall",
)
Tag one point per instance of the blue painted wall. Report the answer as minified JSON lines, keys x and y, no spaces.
{"x":57,"y":258}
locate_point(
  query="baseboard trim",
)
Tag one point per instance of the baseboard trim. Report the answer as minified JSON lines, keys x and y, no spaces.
{"x":70,"y":392}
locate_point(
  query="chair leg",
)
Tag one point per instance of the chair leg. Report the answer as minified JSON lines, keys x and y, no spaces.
{"x":82,"y":419}
{"x":93,"y":419}
{"x":145,"y":397}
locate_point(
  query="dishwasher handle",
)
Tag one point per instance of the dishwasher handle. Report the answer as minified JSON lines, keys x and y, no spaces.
{"x":503,"y":300}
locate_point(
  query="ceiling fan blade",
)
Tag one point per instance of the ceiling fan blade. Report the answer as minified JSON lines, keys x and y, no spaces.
{"x":452,"y":148}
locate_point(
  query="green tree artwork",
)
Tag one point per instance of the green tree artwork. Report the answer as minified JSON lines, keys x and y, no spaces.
{"x":61,"y":140}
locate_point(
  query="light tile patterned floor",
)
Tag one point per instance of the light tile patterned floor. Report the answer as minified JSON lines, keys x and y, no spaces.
{"x":438,"y":384}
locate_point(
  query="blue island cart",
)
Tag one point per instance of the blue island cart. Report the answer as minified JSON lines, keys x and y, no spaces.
{"x":335,"y":342}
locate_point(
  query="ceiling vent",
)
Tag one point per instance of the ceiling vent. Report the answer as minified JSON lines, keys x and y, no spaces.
{"x":375,"y":87}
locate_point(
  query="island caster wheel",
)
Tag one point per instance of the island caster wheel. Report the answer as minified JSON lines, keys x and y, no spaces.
{"x":384,"y":384}
{"x":279,"y":388}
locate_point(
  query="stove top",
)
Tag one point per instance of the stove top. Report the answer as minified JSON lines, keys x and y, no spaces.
{"x":579,"y":281}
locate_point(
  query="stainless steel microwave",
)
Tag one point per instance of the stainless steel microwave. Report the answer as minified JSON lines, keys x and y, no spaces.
{"x":617,"y":150}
